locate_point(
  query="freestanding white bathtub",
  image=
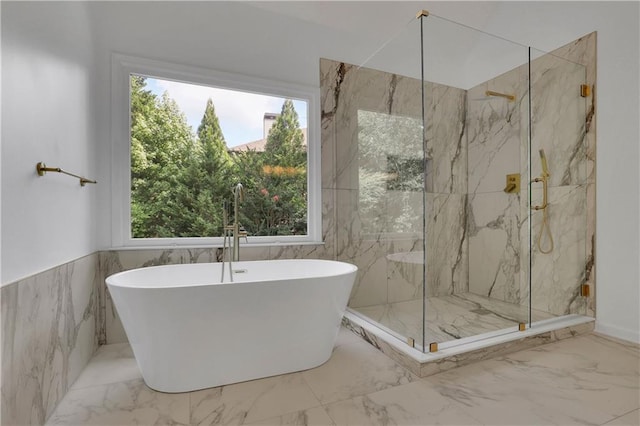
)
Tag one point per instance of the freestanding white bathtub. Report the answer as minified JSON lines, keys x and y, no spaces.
{"x":188,"y":331}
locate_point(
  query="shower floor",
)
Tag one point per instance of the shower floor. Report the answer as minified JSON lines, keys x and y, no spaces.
{"x":450,"y":317}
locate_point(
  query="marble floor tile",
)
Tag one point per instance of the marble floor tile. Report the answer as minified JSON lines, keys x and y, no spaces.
{"x":629,"y":419}
{"x":494,"y":392}
{"x":450,"y":317}
{"x":353,"y":370}
{"x":509,"y":310}
{"x":416,"y":403}
{"x":312,"y":417}
{"x":587,"y":380}
{"x":346,"y":337}
{"x":251,"y":401}
{"x":595,"y":371}
{"x":111,"y":364}
{"x":123,"y":403}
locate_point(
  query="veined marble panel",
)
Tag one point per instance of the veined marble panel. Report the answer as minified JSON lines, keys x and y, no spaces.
{"x":583,"y":51}
{"x":332,"y":74}
{"x":590,"y":261}
{"x":447,"y":251}
{"x":382,"y":279}
{"x":556,"y":277}
{"x":563,"y":125}
{"x":445,"y":121}
{"x":557,"y":74}
{"x":405,"y":272}
{"x":370,"y":287}
{"x":361,"y":89}
{"x":346,"y":91}
{"x":494,"y":245}
{"x":494,"y":128}
{"x":372,"y":214}
{"x":366,"y":250}
{"x":558,"y":119}
{"x":49,"y":333}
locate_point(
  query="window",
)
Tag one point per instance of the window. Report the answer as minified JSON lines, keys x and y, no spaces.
{"x":390,"y":173}
{"x":185,"y":137}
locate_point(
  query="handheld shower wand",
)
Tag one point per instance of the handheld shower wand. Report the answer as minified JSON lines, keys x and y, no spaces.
{"x":543,"y":161}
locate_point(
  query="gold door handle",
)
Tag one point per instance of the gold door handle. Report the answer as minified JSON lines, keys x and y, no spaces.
{"x":545,"y":203}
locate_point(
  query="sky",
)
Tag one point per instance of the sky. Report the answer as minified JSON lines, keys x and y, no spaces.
{"x":240,"y":113}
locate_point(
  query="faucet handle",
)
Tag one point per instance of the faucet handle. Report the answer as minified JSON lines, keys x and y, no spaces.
{"x":242,"y":233}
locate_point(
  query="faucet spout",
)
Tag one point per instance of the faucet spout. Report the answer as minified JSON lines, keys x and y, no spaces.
{"x":232,"y":232}
{"x":238,"y":230}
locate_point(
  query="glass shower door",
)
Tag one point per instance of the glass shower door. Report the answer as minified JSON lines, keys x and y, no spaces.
{"x":562,"y":168}
{"x":380,"y":183}
{"x":435,"y":141}
{"x":475,"y":95}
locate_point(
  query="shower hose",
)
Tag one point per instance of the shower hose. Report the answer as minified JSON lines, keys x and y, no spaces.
{"x":545,"y":228}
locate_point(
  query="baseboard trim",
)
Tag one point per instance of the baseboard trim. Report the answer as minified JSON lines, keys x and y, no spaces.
{"x":618,"y":332}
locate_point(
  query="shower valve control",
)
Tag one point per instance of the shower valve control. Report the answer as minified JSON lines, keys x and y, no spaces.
{"x":513,"y":184}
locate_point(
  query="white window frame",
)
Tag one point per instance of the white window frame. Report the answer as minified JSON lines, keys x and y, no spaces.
{"x":122,"y":67}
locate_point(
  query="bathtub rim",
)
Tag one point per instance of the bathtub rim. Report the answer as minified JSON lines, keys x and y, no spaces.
{"x":111,"y":280}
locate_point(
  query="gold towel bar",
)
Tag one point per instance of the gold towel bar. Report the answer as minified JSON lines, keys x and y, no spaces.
{"x":42,"y":168}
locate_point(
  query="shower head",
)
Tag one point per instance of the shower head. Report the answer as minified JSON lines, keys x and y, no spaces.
{"x":490,"y":94}
{"x":543,"y":161}
{"x":510,"y":98}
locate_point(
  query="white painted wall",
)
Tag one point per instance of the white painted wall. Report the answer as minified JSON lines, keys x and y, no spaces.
{"x":47,"y":115}
{"x":281,"y":41}
{"x":0,"y":145}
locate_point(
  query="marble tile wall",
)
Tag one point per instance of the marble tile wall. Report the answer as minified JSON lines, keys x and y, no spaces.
{"x":50,"y":331}
{"x":567,"y":134}
{"x":562,"y":123}
{"x":494,"y":131}
{"x":375,"y":238}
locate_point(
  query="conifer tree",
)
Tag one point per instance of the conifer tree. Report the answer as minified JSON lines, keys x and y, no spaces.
{"x":285,"y":143}
{"x":161,"y":145}
{"x":208,"y":177}
{"x":281,"y":197}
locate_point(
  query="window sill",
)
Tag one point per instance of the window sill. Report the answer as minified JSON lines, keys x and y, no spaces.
{"x":216,"y":245}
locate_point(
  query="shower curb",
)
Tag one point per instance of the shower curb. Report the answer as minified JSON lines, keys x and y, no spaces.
{"x":427,"y":364}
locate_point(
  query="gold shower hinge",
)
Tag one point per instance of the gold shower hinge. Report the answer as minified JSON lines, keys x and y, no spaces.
{"x":585,"y":90}
{"x":433,"y":347}
{"x":585,"y":290}
{"x":522,"y":326}
{"x":411,"y":342}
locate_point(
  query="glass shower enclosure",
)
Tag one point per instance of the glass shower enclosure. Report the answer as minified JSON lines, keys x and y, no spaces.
{"x":455,"y":152}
